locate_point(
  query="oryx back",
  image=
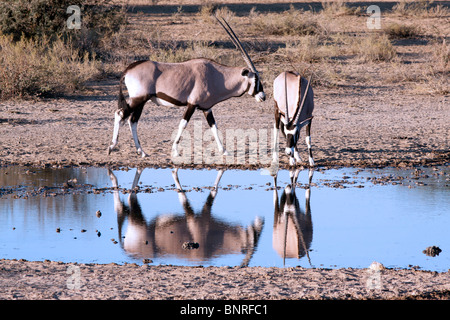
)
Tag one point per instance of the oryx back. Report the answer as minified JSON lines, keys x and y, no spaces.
{"x":292,"y":84}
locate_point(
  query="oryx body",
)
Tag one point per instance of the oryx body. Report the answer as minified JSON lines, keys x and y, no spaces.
{"x":194,"y":84}
{"x":293,"y":110}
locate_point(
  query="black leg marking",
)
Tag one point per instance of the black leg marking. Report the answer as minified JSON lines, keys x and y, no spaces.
{"x":209,"y":118}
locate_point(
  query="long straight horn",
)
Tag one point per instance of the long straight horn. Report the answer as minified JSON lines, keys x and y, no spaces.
{"x":295,"y":121}
{"x":237,"y":43}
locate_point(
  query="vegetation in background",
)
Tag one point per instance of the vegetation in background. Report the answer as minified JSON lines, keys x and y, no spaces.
{"x":40,"y":55}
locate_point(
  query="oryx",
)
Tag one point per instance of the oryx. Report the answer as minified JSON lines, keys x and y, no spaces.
{"x":294,"y":105}
{"x":292,"y":227}
{"x":195,"y":84}
{"x":146,"y":234}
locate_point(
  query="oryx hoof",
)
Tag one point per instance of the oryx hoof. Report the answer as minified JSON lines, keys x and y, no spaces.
{"x":291,"y":161}
{"x":311,"y":162}
{"x":175,"y":153}
{"x":225,"y":153}
{"x":141,"y":153}
{"x":110,"y":148}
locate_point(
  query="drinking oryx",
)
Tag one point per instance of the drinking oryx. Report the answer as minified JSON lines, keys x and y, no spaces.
{"x":292,"y":227}
{"x":294,"y":105}
{"x":196,"y":84}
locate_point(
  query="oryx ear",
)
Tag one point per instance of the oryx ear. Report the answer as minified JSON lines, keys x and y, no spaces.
{"x":245,"y":72}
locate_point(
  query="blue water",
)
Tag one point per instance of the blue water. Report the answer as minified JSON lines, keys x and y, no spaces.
{"x":354,"y":217}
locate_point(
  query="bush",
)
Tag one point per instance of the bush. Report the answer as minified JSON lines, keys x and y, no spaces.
{"x":35,"y":67}
{"x":39,"y":54}
{"x":375,"y":48}
{"x":290,"y":23}
{"x":398,"y":31}
{"x":39,"y":18}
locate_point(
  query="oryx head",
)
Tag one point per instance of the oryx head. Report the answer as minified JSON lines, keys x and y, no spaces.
{"x":256,"y":89}
{"x":292,"y":135}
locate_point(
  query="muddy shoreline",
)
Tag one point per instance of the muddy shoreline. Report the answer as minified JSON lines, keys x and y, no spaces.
{"x":51,"y":280}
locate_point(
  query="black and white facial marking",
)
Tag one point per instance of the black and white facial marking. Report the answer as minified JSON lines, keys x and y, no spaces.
{"x":256,"y":88}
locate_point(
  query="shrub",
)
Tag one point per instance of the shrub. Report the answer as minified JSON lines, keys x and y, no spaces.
{"x":397,"y":31}
{"x":290,"y":23}
{"x":48,"y":18}
{"x":35,"y":67}
{"x":340,"y":8}
{"x":421,"y":8}
{"x":375,"y":48}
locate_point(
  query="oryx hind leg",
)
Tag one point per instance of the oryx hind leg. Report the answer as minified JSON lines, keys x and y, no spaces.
{"x":136,"y":106}
{"x":183,"y":123}
{"x":212,"y":124}
{"x":117,"y":123}
{"x":308,"y":143}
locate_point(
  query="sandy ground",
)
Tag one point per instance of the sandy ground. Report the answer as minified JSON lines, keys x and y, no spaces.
{"x":356,"y":127}
{"x":55,"y":280}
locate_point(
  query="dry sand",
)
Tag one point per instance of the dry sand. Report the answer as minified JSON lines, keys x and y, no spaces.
{"x":56,"y":280}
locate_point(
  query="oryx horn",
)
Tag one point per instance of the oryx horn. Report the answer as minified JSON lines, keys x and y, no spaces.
{"x":237,"y":43}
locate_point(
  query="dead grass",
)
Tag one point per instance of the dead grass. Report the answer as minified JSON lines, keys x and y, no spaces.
{"x":421,"y":9}
{"x":375,"y":48}
{"x":402,"y":31}
{"x":290,"y":23}
{"x":36,"y":67}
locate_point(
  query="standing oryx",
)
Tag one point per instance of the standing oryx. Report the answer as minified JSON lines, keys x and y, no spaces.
{"x":294,"y":105}
{"x":196,"y":84}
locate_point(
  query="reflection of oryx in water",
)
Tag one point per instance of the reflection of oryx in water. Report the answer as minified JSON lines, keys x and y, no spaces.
{"x":292,"y":227}
{"x":166,"y":233}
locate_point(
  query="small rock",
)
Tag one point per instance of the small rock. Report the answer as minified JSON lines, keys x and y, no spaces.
{"x":147,"y":261}
{"x":190,"y":245}
{"x":98,"y":214}
{"x":432,"y":251}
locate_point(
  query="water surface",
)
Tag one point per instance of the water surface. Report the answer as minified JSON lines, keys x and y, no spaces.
{"x":342,"y":218}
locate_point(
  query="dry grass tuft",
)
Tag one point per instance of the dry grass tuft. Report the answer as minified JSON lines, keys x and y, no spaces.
{"x":290,"y":23}
{"x":375,"y":48}
{"x":421,"y":8}
{"x":401,"y":31}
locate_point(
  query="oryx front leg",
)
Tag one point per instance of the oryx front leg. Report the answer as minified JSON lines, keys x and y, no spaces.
{"x":212,"y":124}
{"x":183,"y":123}
{"x":117,"y":123}
{"x":308,"y":143}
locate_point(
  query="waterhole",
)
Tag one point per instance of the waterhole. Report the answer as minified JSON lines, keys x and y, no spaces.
{"x":322,"y":218}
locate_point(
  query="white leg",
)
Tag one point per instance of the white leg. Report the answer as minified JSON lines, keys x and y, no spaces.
{"x":133,"y":128}
{"x":275,"y":144}
{"x":219,"y":143}
{"x":117,"y":123}
{"x":296,"y":155}
{"x":291,"y":161}
{"x":181,"y":127}
{"x":308,"y":143}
